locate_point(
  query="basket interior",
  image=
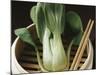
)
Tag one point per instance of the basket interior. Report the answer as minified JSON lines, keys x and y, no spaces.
{"x":28,"y":58}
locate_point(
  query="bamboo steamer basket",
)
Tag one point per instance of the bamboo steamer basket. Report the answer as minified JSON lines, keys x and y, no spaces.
{"x":24,"y":59}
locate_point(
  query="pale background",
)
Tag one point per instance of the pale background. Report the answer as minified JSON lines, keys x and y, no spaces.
{"x":5,"y":36}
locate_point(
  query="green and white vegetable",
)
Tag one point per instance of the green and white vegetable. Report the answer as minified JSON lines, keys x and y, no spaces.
{"x":50,"y":20}
{"x":50,"y":24}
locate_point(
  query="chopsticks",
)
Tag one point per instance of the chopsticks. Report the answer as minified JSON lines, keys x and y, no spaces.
{"x":82,"y":45}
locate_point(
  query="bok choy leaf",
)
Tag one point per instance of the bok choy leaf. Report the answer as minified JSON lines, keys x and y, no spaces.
{"x":25,"y":36}
{"x":50,"y":21}
{"x":74,"y":23}
{"x":37,"y":17}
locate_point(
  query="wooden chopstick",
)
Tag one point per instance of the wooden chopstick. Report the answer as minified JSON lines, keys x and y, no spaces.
{"x":77,"y":57}
{"x":83,"y":46}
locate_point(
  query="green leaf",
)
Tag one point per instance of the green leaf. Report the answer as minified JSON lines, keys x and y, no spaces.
{"x":60,"y":17}
{"x":37,"y":16}
{"x":33,"y":14}
{"x":49,"y":16}
{"x":54,"y":17}
{"x":74,"y":22}
{"x":74,"y":25}
{"x":77,"y":38}
{"x":24,"y":35}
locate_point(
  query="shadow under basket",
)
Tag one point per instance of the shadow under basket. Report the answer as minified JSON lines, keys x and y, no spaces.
{"x":24,"y":59}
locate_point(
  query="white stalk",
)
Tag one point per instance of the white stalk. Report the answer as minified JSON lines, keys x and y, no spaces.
{"x":47,"y":54}
{"x":59,"y":56}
